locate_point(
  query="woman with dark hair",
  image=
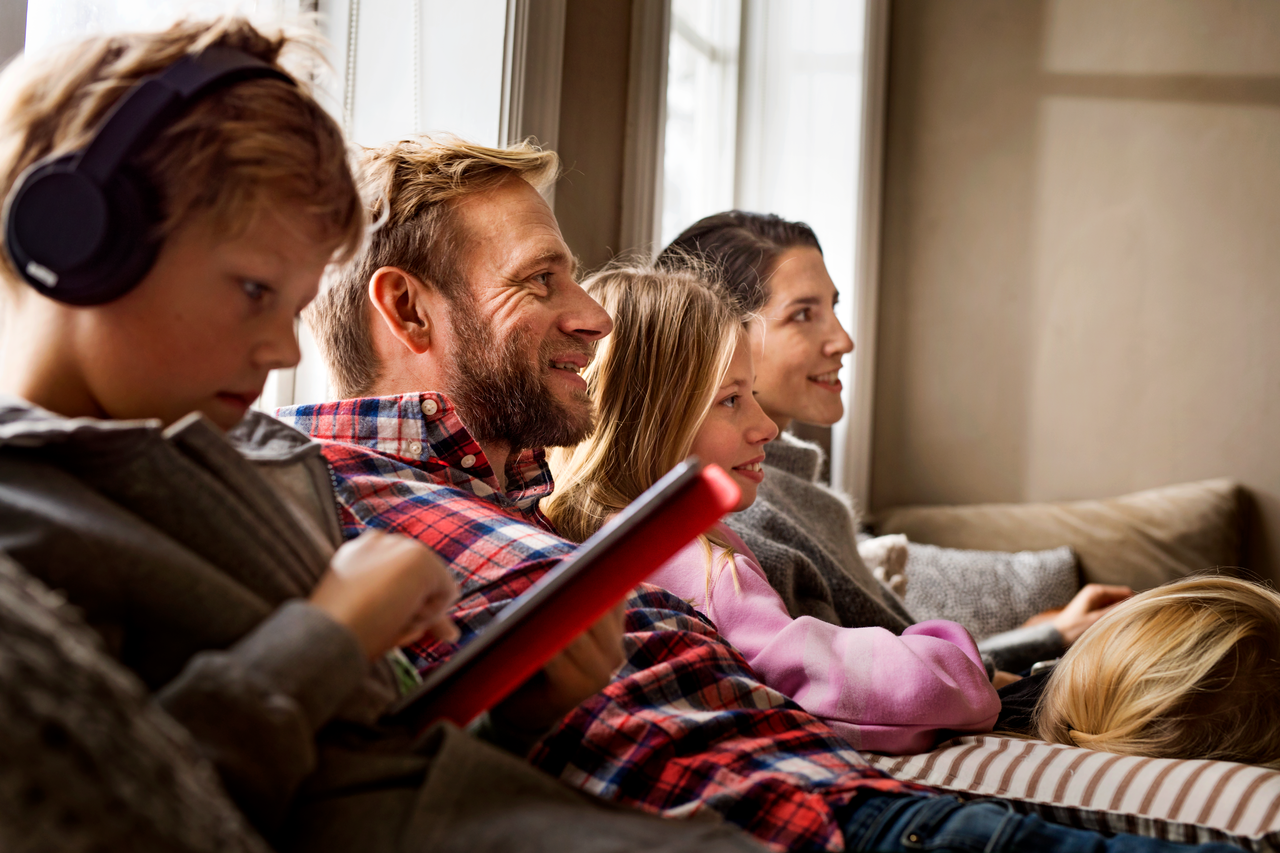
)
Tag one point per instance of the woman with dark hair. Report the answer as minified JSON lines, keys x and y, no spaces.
{"x":803,"y":532}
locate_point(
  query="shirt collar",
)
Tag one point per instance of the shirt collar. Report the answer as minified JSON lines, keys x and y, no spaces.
{"x":424,"y":430}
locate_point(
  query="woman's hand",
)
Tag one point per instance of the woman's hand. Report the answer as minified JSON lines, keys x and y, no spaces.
{"x":1089,"y":605}
{"x":388,"y":590}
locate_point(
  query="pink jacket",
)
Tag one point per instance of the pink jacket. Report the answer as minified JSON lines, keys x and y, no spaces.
{"x":881,"y":692}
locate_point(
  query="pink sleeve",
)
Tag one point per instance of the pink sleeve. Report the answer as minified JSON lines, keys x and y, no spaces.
{"x":880,"y":691}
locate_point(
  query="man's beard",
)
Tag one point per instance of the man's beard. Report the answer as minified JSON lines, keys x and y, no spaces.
{"x":502,"y":396}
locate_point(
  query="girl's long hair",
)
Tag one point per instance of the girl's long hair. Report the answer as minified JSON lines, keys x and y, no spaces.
{"x":1190,"y":669}
{"x":653,"y":380}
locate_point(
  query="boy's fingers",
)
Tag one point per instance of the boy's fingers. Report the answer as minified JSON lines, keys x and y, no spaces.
{"x":445,"y":630}
{"x":432,"y":618}
{"x":388,"y":590}
{"x":440,"y":627}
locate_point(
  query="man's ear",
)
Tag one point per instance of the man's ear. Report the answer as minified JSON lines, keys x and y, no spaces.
{"x":407,"y":306}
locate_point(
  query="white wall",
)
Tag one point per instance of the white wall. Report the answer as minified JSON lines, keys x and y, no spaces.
{"x":1081,"y":283}
{"x":13,"y":28}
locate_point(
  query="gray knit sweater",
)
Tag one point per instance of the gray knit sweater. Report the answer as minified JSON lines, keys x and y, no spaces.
{"x":803,"y":533}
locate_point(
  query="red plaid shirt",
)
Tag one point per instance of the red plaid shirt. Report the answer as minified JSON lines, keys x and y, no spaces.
{"x":685,"y":726}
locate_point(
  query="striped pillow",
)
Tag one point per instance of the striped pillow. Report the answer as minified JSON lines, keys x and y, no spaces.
{"x":1181,"y":801}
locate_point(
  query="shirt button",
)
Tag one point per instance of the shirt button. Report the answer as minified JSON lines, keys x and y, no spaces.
{"x":415,"y":448}
{"x":468,"y":461}
{"x":430,"y":407}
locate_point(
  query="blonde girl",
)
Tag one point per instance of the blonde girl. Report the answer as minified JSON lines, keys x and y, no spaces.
{"x":1190,"y":669}
{"x":675,"y":377}
{"x":681,"y":334}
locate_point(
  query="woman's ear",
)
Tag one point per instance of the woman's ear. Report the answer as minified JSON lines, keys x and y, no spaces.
{"x":406,"y":306}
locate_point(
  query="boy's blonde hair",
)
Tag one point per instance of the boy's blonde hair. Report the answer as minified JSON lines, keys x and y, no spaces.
{"x":236,"y":151}
{"x":653,"y":381}
{"x":409,"y":188}
{"x":1190,"y":669}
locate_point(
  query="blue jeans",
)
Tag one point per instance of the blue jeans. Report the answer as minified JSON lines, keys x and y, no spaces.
{"x":920,"y":823}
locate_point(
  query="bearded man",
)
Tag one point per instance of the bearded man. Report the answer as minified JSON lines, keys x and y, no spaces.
{"x":459,"y":334}
{"x":468,"y":289}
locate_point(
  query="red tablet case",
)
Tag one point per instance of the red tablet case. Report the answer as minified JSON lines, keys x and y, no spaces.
{"x":549,"y":615}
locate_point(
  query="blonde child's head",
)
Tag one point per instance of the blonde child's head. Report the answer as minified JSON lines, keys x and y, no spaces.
{"x":1190,"y":669}
{"x":250,"y":195}
{"x":652,"y":380}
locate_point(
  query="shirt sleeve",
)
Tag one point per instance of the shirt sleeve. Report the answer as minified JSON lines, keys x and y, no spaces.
{"x":1018,"y":649}
{"x":880,"y":691}
{"x":255,"y":708}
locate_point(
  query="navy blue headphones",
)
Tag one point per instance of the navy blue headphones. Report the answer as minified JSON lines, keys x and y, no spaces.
{"x":80,"y":227}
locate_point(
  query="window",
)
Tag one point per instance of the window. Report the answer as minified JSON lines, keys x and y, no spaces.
{"x":765,"y":112}
{"x":403,"y":67}
{"x":702,"y":112}
{"x":416,"y":66}
{"x":51,"y":22}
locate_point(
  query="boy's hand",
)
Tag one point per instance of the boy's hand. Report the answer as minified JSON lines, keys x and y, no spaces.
{"x":388,"y":590}
{"x":584,"y":668}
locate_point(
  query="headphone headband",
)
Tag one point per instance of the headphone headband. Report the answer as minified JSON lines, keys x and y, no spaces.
{"x":79,"y":226}
{"x":155,"y":100}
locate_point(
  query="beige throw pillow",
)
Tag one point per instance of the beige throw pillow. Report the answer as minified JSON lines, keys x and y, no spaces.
{"x":1142,"y":539}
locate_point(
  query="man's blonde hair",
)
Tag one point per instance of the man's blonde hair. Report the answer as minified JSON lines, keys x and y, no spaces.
{"x":409,"y":189}
{"x":1190,"y":669}
{"x":653,"y":380}
{"x":243,"y":148}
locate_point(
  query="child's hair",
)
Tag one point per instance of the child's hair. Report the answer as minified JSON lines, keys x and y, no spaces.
{"x":653,"y":380}
{"x":235,"y":152}
{"x":1190,"y":669}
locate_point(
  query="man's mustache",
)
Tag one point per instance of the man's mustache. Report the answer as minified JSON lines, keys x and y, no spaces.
{"x":568,"y":345}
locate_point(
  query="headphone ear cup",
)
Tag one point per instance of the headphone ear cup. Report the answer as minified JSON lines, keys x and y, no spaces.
{"x":82,"y":229}
{"x":55,"y":219}
{"x":129,"y":248}
{"x":76,"y":242}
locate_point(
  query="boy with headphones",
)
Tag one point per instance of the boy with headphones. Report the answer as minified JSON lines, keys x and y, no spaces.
{"x":171,"y":202}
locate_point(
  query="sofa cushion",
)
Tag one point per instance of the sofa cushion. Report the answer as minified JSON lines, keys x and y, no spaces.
{"x":1177,"y":800}
{"x":1141,"y":539}
{"x":988,"y":592}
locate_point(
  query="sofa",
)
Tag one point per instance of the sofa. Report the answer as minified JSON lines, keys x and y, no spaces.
{"x":1140,"y":540}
